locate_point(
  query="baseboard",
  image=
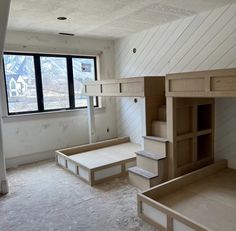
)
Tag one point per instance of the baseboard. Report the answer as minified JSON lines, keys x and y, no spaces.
{"x":14,"y":162}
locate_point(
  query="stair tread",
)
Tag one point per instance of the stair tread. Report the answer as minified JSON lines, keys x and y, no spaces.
{"x":150,"y":155}
{"x":143,"y":173}
{"x":155,"y":138}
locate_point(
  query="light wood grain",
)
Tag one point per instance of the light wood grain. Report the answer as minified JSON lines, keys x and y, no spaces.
{"x":190,"y":131}
{"x":214,"y":83}
{"x":187,"y":199}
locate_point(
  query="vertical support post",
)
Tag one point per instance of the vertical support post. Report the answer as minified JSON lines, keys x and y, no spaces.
{"x":4,"y":12}
{"x":143,"y":118}
{"x":91,"y":120}
{"x":171,"y":123}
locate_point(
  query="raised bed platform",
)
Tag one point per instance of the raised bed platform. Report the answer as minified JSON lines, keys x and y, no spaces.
{"x":202,"y":200}
{"x":101,"y":161}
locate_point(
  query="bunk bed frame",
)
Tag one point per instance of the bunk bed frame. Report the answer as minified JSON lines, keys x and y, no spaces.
{"x":89,"y":162}
{"x":198,"y":200}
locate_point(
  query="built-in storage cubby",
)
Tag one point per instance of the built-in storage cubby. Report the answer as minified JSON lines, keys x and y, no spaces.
{"x":185,"y":120}
{"x":192,"y":123}
{"x":204,"y":117}
{"x":184,"y":149}
{"x":204,"y":146}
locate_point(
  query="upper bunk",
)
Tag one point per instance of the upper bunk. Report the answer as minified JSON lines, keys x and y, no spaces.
{"x":215,"y":83}
{"x":127,"y":87}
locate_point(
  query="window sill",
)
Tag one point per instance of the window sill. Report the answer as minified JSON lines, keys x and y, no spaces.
{"x":50,"y":114}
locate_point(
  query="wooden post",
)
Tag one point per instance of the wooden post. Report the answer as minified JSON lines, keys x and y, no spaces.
{"x":4,"y":11}
{"x":143,"y":119}
{"x":91,"y":120}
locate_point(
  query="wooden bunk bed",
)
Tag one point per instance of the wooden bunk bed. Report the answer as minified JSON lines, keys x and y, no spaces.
{"x":204,"y":199}
{"x":100,"y":161}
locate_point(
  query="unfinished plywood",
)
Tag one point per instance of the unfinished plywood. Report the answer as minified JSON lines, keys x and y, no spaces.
{"x":203,"y":200}
{"x":215,"y":83}
{"x":95,"y":163}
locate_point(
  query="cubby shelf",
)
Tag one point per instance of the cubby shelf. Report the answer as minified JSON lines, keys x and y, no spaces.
{"x":204,"y":117}
{"x":204,"y":132}
{"x":204,"y":146}
{"x":184,"y":136}
{"x":193,"y":133}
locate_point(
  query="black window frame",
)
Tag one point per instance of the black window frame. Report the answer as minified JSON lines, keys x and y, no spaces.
{"x":39,"y":84}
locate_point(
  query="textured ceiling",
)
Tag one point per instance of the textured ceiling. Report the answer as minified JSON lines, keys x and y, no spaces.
{"x":101,"y":18}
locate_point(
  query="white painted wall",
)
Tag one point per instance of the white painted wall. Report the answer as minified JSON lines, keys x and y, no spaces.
{"x":202,"y":42}
{"x":28,"y":138}
{"x":4,"y":11}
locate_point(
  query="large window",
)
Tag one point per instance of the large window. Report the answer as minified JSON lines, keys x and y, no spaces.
{"x":55,"y":82}
{"x":38,"y":83}
{"x":20,"y":83}
{"x":84,"y":69}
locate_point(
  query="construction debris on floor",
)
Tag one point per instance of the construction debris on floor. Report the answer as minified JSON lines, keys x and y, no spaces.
{"x":43,"y":197}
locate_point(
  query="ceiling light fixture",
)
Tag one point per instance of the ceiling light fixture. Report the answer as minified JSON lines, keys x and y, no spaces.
{"x":62,"y":18}
{"x":67,"y":34}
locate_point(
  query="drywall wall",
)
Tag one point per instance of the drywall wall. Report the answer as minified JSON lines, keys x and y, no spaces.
{"x":130,"y":118}
{"x":29,"y":138}
{"x":4,"y":11}
{"x":202,"y":42}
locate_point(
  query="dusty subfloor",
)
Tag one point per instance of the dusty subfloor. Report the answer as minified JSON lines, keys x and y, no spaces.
{"x":44,"y":197}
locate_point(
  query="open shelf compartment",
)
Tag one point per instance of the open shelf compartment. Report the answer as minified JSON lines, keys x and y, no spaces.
{"x":204,"y":146}
{"x":204,"y":117}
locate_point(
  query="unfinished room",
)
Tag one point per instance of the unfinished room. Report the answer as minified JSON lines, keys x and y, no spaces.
{"x":118,"y":115}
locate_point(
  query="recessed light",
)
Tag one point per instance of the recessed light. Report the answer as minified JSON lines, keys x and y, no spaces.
{"x":62,"y":18}
{"x":68,"y":34}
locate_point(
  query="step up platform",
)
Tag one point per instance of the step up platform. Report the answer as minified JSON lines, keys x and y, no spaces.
{"x":161,"y":113}
{"x":159,"y":128}
{"x":149,"y":161}
{"x":150,"y":155}
{"x":142,"y":179}
{"x":155,"y":145}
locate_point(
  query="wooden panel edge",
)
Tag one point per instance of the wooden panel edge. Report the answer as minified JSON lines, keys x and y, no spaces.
{"x":174,"y":184}
{"x":93,"y":146}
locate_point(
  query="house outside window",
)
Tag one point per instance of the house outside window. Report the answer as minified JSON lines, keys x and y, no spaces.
{"x":44,"y":82}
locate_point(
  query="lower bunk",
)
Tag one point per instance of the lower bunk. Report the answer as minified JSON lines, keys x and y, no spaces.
{"x":202,"y":200}
{"x":100,"y":161}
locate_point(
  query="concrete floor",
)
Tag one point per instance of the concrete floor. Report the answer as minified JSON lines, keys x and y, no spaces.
{"x":45,"y":197}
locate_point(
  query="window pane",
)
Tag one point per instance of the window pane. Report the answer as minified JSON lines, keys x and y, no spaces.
{"x":55,"y":83}
{"x":83,"y":70}
{"x":20,"y":83}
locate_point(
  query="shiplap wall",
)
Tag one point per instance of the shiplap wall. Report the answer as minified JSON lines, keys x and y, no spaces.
{"x":201,"y":42}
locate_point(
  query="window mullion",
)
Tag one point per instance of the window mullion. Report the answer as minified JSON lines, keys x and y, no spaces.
{"x":70,"y":82}
{"x":39,"y":85}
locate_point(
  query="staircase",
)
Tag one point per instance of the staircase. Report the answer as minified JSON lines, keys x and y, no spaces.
{"x":151,"y":166}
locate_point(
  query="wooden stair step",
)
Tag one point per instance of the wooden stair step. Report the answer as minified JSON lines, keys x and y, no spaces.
{"x":155,"y":145}
{"x":161,"y":113}
{"x":150,"y":155}
{"x":156,"y":138}
{"x":143,"y":173}
{"x":159,"y":128}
